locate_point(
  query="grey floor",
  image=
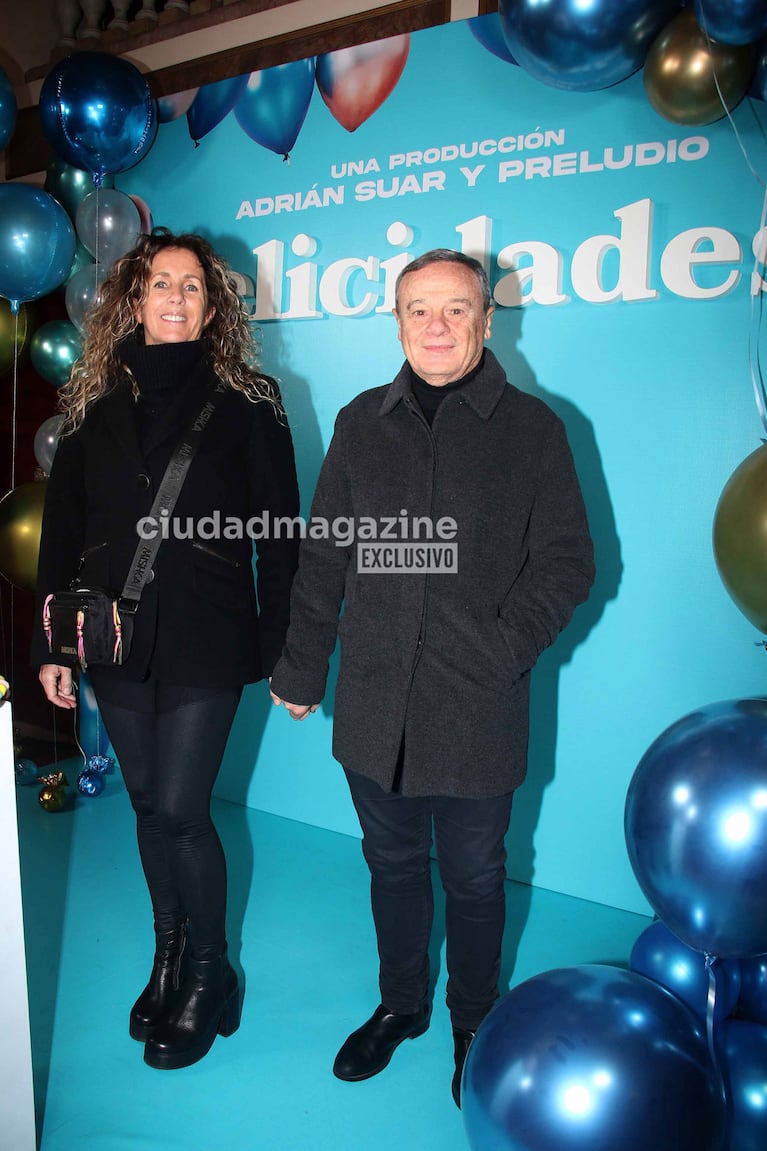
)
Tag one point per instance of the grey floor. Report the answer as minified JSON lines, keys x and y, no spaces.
{"x":300,"y":931}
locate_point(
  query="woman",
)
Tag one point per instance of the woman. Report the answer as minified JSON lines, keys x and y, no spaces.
{"x":169,"y":329}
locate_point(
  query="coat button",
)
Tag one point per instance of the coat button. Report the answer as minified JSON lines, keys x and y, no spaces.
{"x":150,"y":577}
{"x":143,"y":481}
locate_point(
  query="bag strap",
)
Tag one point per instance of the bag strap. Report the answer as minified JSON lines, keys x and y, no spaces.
{"x":165,"y":500}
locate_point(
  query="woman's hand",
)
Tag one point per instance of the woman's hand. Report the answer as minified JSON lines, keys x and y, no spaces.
{"x":58,"y":685}
{"x":295,"y":710}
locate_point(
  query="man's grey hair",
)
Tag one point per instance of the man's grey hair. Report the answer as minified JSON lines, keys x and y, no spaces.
{"x":447,"y":256}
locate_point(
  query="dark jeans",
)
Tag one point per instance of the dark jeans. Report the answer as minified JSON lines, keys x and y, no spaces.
{"x":397,"y":838}
{"x":170,"y":743}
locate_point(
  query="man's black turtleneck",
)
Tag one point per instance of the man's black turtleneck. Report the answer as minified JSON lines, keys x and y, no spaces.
{"x":430,"y":396}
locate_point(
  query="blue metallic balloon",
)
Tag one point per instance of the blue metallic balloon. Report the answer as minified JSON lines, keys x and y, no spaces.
{"x":488,"y":31}
{"x":591,"y":1058}
{"x":212,"y":103}
{"x":732,"y":21}
{"x":745,"y":1060}
{"x":696,"y":828}
{"x":97,"y":113}
{"x":7,"y":109}
{"x":26,"y":772}
{"x":90,"y":782}
{"x":582,"y":45}
{"x":275,"y":102}
{"x":660,"y":956}
{"x":752,"y":1001}
{"x":37,"y":243}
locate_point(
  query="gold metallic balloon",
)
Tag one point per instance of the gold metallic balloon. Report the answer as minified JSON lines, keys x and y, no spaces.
{"x":21,"y":520}
{"x":10,"y":334}
{"x":52,"y":795}
{"x":683,"y":68}
{"x":740,"y":537}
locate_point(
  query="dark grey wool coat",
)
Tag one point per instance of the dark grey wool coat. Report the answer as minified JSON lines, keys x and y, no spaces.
{"x":442,"y":660}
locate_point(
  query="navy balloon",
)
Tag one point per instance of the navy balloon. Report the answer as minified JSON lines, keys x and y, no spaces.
{"x":745,"y":1073}
{"x":212,"y":103}
{"x":582,"y":46}
{"x":275,"y":102}
{"x":752,"y":1001}
{"x":732,"y":21}
{"x":591,"y":1057}
{"x":37,"y":243}
{"x":660,"y":956}
{"x":488,"y":31}
{"x":7,"y":109}
{"x":97,"y":113}
{"x":696,"y":828}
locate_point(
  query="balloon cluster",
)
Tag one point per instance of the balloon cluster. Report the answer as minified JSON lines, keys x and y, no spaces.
{"x":696,"y":832}
{"x":271,"y":105}
{"x":671,"y":1054}
{"x":100,"y":118}
{"x":698,"y":62}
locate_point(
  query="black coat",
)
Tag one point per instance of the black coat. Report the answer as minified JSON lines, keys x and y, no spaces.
{"x":443,"y":659}
{"x":199,"y":622}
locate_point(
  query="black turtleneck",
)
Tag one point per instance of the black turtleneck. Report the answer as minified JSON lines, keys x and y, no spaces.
{"x":162,"y":372}
{"x":430,"y":396}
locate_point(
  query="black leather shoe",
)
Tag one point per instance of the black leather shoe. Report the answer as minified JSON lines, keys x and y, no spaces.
{"x":368,"y":1049}
{"x":462,"y":1040}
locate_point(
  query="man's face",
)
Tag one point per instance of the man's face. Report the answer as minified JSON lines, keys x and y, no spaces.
{"x":441,"y":323}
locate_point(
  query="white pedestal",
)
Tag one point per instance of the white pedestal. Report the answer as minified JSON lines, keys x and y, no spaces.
{"x":17,"y":1130}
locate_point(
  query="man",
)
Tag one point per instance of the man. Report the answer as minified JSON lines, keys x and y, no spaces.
{"x":431,"y":711}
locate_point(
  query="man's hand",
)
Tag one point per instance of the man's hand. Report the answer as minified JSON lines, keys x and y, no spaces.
{"x":58,"y":685}
{"x":295,"y":710}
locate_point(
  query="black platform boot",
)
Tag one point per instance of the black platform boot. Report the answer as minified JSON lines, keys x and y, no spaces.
{"x":167,"y":971}
{"x":207,"y":1004}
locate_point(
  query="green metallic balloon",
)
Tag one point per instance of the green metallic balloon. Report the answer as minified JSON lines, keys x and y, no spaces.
{"x":13,"y":336}
{"x":70,"y":185}
{"x":21,"y":521}
{"x":740,"y":537}
{"x":53,"y":350}
{"x":692,"y":80}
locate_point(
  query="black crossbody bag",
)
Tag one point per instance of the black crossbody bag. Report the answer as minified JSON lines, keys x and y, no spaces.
{"x":94,"y":625}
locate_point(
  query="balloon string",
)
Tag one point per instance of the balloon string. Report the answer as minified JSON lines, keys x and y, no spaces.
{"x":722,"y":100}
{"x":710,"y":1005}
{"x":757,"y":312}
{"x":14,"y":395}
{"x":96,"y":245}
{"x":757,"y":283}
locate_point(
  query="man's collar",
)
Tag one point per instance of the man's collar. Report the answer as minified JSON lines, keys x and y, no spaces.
{"x":483,"y":392}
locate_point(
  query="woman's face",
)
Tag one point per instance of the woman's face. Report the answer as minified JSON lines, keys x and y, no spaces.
{"x":175,"y":306}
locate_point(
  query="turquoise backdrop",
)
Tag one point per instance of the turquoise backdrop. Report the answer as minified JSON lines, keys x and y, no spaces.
{"x":629,"y":312}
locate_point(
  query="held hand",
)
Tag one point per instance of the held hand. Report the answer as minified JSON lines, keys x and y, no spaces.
{"x":58,"y":685}
{"x":295,"y":710}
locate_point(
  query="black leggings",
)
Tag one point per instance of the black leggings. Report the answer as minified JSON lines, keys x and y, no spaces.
{"x":170,"y":743}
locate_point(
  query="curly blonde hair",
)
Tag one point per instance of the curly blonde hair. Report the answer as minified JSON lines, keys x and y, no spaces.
{"x":116,"y":316}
